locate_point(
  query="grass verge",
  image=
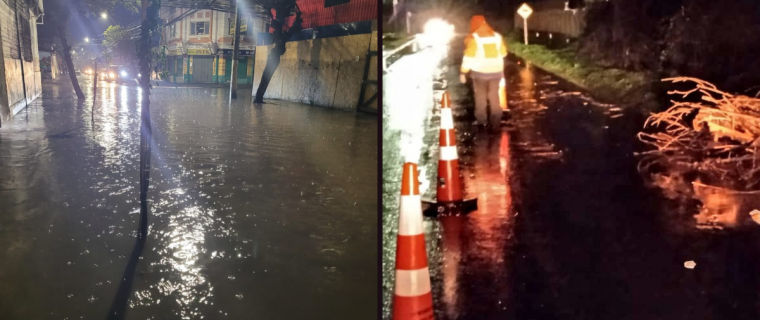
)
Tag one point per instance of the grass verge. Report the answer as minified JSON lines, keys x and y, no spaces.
{"x":606,"y":84}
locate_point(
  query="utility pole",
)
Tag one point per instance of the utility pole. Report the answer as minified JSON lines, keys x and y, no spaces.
{"x":236,"y":48}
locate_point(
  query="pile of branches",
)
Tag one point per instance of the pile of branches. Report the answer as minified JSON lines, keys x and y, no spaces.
{"x":711,"y":134}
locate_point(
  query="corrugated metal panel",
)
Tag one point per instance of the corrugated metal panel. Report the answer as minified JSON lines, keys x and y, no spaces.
{"x":8,"y":23}
{"x":315,"y":14}
{"x":8,"y":29}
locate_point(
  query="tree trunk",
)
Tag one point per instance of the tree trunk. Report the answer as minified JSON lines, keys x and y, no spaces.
{"x":60,"y":30}
{"x":273,"y":59}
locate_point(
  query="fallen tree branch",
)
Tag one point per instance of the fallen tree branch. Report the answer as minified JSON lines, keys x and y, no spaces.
{"x":715,"y":136}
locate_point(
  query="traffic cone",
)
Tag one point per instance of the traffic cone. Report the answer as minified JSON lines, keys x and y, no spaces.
{"x":449,"y":185}
{"x":412,"y":298}
{"x":503,"y":94}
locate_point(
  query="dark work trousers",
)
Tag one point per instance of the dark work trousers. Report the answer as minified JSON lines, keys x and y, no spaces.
{"x":487,"y":93}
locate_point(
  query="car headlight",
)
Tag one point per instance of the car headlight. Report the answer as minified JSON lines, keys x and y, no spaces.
{"x":139,"y":75}
{"x":111,"y":75}
{"x":123,"y":74}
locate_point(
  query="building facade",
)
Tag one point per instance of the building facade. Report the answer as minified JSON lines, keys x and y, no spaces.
{"x":20,"y":55}
{"x":330,"y":63}
{"x":199,"y":45}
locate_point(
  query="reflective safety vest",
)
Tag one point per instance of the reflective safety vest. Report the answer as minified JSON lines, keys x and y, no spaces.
{"x":488,"y":57}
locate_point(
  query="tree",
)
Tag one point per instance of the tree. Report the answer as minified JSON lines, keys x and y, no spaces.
{"x":119,"y":44}
{"x":63,"y":9}
{"x":282,"y":10}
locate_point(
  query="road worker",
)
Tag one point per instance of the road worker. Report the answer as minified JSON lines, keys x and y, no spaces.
{"x":485,"y":50}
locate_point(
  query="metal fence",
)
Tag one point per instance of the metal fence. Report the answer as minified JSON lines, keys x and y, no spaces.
{"x":566,"y":22}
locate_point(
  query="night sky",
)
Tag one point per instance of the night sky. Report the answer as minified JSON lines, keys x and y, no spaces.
{"x":90,"y":26}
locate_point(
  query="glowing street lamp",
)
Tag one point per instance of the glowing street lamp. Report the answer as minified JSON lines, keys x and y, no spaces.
{"x":106,"y":16}
{"x":86,"y":39}
{"x":525,"y":11}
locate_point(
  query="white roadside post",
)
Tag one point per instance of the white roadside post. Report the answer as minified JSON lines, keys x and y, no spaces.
{"x":525,"y":11}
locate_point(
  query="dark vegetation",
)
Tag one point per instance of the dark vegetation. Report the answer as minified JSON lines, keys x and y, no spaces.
{"x":716,"y":41}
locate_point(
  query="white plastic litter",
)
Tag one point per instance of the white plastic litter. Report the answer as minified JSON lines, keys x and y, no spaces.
{"x":689,"y":264}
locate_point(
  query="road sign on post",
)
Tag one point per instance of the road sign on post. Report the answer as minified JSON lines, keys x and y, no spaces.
{"x":525,"y":11}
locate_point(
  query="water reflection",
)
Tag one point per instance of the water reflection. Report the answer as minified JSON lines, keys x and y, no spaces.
{"x":452,"y":255}
{"x":723,"y":208}
{"x":248,"y":213}
{"x":482,"y":238}
{"x":185,"y":244}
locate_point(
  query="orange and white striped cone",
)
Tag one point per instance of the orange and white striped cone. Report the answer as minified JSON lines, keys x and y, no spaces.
{"x":449,"y":191}
{"x":449,"y":183}
{"x":503,"y":94}
{"x":412,"y":298}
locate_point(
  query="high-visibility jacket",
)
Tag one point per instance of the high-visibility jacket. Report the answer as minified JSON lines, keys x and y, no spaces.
{"x":484,"y":53}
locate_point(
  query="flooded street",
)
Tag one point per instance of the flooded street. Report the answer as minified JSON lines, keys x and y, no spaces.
{"x":567,"y":228}
{"x":256,"y":211}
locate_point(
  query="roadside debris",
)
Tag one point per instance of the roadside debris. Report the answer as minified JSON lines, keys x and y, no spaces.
{"x":712,"y":134}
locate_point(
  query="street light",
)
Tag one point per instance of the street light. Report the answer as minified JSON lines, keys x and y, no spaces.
{"x":86,"y":39}
{"x":106,"y":16}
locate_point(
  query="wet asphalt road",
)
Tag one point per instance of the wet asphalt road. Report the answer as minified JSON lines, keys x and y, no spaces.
{"x":568,"y":229}
{"x":264,"y":212}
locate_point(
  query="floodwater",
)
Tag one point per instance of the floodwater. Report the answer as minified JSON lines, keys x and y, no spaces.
{"x":566,"y":226}
{"x":256,"y":211}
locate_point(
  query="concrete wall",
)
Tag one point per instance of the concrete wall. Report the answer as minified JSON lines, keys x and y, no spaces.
{"x":325,"y":72}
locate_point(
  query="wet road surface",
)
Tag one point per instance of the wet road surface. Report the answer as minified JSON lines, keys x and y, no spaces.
{"x":264,"y":211}
{"x":568,"y":229}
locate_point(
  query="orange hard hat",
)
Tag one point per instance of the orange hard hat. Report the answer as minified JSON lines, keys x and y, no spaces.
{"x":476,"y":22}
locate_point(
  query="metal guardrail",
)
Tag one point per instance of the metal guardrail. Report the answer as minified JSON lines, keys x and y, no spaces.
{"x":387,"y":54}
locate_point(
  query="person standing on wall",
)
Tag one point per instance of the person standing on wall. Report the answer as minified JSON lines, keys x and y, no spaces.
{"x":485,"y":50}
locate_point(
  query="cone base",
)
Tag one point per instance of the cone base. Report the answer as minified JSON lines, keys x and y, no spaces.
{"x":413,"y":308}
{"x":449,"y":208}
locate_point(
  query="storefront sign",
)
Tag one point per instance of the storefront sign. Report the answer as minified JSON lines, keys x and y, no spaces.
{"x":174,"y":52}
{"x":198,"y":52}
{"x":240,"y":52}
{"x":243,"y":25}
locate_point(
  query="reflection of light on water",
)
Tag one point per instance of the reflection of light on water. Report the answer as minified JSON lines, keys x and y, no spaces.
{"x":494,"y":201}
{"x":184,"y":238}
{"x":451,"y":257}
{"x":124,"y":98}
{"x":722,"y":207}
{"x":408,"y":97}
{"x":527,"y":82}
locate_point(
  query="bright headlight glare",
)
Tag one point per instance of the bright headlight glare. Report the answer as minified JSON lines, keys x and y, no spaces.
{"x":438,"y":32}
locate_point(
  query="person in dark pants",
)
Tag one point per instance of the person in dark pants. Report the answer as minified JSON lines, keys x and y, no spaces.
{"x":484,"y":54}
